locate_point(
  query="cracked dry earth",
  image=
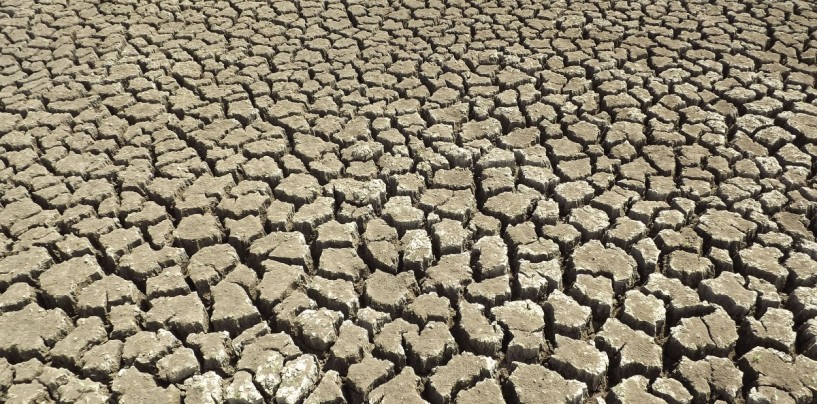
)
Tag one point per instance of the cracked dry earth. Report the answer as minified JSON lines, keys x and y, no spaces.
{"x":400,"y":202}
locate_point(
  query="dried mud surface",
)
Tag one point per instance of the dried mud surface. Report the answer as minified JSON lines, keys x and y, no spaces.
{"x":408,"y":201}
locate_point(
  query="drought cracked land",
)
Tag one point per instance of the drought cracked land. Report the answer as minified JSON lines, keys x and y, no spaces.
{"x":375,"y":201}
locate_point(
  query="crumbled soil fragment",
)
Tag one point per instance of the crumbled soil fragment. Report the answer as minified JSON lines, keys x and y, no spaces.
{"x":534,"y":383}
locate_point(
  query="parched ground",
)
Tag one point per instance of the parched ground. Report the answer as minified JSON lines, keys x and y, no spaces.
{"x":408,"y":201}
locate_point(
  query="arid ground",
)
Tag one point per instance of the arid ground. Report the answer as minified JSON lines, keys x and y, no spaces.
{"x":408,"y":201}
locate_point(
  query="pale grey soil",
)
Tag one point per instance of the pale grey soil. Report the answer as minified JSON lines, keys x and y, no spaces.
{"x":408,"y":201}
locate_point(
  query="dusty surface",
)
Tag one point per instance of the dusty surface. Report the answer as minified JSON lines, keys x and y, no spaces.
{"x":397,"y":202}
